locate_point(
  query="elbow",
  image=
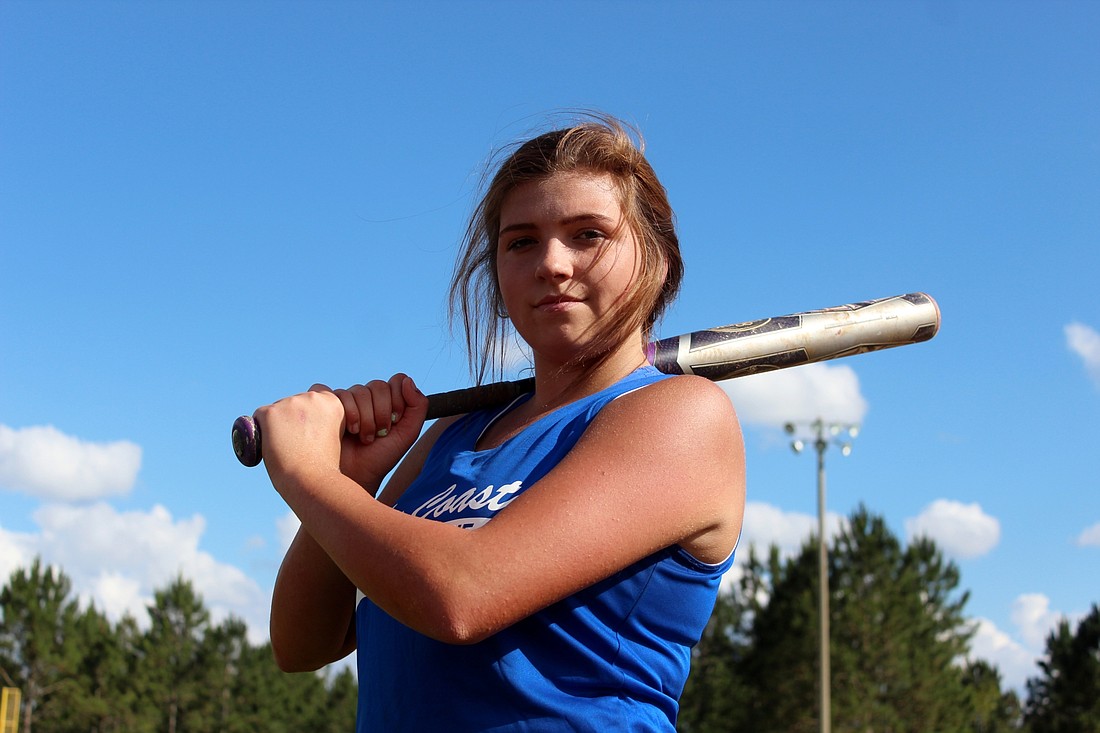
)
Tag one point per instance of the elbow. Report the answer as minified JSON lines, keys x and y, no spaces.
{"x":459,"y":622}
{"x":296,"y":653}
{"x":287,"y":662}
{"x":462,"y":635}
{"x":290,"y":659}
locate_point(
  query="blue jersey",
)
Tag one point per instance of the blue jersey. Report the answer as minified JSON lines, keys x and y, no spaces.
{"x":614,"y":656}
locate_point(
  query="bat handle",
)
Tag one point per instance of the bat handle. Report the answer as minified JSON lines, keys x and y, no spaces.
{"x":246,"y":432}
{"x":246,"y":441}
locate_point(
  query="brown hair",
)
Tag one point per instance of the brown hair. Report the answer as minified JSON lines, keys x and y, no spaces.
{"x":600,"y":144}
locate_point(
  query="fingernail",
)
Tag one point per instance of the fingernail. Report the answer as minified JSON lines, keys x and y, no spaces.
{"x":393,"y":418}
{"x":383,"y":432}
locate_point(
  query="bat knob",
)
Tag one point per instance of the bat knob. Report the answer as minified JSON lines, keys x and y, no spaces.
{"x":246,"y":441}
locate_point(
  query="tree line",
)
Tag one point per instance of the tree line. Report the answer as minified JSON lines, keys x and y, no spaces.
{"x":899,"y":638}
{"x":900,"y":650}
{"x":78,"y":672}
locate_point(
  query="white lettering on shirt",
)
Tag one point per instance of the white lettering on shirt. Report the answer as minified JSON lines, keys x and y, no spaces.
{"x":448,"y":503}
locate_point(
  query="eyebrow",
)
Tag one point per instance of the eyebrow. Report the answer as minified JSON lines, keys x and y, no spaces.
{"x":576,"y":218}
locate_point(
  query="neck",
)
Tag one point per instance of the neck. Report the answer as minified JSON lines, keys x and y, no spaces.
{"x":557,"y":385}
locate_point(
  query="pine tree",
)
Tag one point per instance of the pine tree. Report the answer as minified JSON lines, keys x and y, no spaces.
{"x":782,"y":660}
{"x":343,"y":697}
{"x":101,"y":697}
{"x":992,"y":710}
{"x":80,"y":674}
{"x":716,"y":693}
{"x":1066,"y":697}
{"x":173,"y":672}
{"x":896,"y":626}
{"x":898,"y":631}
{"x":37,"y":619}
{"x":223,"y":648}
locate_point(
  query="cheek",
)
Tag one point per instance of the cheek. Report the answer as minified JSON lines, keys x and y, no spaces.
{"x":622,"y":266}
{"x":507,"y":285}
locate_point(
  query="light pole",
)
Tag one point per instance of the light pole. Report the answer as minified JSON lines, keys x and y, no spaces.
{"x":824,"y":435}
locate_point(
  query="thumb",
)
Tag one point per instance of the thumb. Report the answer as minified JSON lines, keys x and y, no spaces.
{"x":416,"y":402}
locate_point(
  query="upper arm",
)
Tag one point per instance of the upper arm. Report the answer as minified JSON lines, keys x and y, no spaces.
{"x":658,"y":467}
{"x":665,"y":463}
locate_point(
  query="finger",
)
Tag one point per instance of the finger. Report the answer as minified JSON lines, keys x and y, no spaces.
{"x":351,"y":410}
{"x":362,"y":399}
{"x":397,"y":399}
{"x":382,"y":403}
{"x":415,"y":400}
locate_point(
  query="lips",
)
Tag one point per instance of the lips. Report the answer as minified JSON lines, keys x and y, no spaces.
{"x":551,"y":302}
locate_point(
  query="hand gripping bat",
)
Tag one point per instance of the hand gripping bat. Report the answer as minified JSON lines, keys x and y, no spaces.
{"x":718,"y":353}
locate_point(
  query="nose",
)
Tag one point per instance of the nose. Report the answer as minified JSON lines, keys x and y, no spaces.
{"x":555,"y":262}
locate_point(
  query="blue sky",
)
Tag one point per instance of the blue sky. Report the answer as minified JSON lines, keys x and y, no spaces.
{"x":206,"y":206}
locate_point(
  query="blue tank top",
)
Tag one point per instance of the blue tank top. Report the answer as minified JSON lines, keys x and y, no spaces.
{"x":614,"y":656}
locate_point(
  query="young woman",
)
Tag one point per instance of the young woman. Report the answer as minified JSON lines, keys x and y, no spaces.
{"x":546,"y":566}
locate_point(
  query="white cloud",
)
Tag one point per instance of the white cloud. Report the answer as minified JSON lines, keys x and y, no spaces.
{"x":798,"y":395}
{"x":44,"y":462}
{"x":1033,"y":618}
{"x":960,"y":530}
{"x":766,"y":525}
{"x":118,"y":559}
{"x":1090,"y":537}
{"x":1085,"y":342}
{"x":16,"y":551}
{"x":116,"y":594}
{"x":286,"y":528}
{"x":1034,"y":621}
{"x":1015,"y":662}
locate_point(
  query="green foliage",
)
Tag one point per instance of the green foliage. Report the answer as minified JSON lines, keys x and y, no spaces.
{"x":38,"y":617}
{"x":1065,"y":698}
{"x":716,"y":693}
{"x":898,"y":630}
{"x":992,"y":711}
{"x":183,"y":674}
{"x":898,"y":638}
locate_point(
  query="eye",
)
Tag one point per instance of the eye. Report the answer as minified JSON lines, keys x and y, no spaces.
{"x":591,"y":235}
{"x":519,"y":243}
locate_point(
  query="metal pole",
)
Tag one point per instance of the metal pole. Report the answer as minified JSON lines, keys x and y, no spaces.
{"x":823,"y":581}
{"x":825,"y":434}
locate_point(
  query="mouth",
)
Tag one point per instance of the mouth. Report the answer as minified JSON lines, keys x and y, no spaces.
{"x":557,"y":300}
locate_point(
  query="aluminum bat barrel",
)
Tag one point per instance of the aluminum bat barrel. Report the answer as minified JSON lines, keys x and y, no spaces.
{"x":803,"y":338}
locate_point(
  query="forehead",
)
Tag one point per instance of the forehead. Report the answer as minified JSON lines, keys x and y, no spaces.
{"x":563,"y":195}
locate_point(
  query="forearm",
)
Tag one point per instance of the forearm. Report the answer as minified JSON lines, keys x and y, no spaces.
{"x":411,"y":567}
{"x":312,"y":609}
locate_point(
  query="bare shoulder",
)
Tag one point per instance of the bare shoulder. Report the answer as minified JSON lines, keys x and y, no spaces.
{"x":678,"y":404}
{"x":686,"y":422}
{"x":678,"y":444}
